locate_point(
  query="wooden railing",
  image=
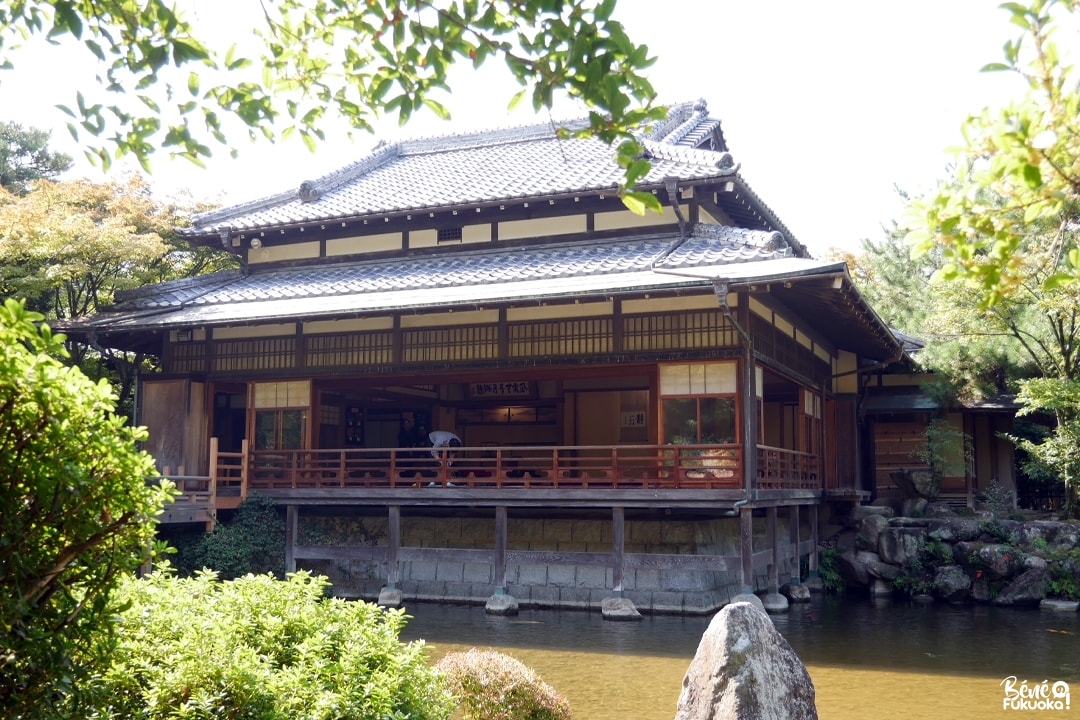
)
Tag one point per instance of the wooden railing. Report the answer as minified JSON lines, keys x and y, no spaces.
{"x":781,"y":469}
{"x":623,"y":466}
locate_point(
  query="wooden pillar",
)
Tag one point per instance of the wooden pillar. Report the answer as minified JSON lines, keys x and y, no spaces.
{"x":393,"y":541}
{"x":291,"y":522}
{"x":774,"y":548}
{"x":499,"y":577}
{"x":793,"y":540}
{"x":618,"y":544}
{"x":746,"y":533}
{"x":813,"y":560}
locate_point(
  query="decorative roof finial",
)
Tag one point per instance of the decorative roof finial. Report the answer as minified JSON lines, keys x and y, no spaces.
{"x":308,"y":192}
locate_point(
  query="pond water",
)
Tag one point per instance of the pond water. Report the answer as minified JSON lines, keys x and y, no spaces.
{"x":868,"y":659}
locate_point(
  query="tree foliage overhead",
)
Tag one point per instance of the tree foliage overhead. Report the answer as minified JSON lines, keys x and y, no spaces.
{"x":77,"y":513}
{"x":1020,"y":165}
{"x":25,"y":157}
{"x":163,"y":84}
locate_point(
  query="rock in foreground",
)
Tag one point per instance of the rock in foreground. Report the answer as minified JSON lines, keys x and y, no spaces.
{"x":745,"y":670}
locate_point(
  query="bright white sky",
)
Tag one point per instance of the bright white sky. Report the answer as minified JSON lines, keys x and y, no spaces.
{"x":826,"y":106}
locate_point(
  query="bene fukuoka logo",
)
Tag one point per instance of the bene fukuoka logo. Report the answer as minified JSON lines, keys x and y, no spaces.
{"x":1036,"y":696}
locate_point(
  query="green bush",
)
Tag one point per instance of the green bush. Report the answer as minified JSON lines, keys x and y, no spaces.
{"x":252,"y":542}
{"x":829,"y":567}
{"x":493,"y":686}
{"x":260,"y":649}
{"x":76,"y":515}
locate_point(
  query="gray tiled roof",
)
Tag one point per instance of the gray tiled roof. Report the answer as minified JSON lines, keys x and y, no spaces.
{"x":478,"y":168}
{"x":443,"y":278}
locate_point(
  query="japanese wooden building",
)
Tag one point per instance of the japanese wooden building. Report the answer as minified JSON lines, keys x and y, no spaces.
{"x":654,"y":406}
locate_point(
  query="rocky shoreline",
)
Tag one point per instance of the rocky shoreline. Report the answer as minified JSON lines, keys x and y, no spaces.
{"x":953,"y":558}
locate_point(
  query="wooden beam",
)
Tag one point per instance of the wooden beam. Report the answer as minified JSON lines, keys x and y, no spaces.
{"x":793,"y":541}
{"x":499,"y":575}
{"x":618,"y":545}
{"x":812,"y":561}
{"x":774,"y":547}
{"x":746,"y":537}
{"x":393,"y":542}
{"x":290,"y":538}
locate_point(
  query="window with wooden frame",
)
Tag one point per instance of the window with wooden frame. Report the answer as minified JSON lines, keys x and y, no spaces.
{"x":699,"y":403}
{"x":281,"y":414}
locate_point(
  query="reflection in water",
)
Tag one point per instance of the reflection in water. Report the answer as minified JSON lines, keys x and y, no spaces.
{"x":867,"y":660}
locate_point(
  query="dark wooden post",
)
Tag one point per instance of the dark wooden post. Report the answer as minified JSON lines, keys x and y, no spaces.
{"x":500,"y":550}
{"x":393,"y":569}
{"x":618,"y":544}
{"x":290,"y":538}
{"x":812,"y":561}
{"x":746,"y":533}
{"x":774,"y":547}
{"x":793,"y":540}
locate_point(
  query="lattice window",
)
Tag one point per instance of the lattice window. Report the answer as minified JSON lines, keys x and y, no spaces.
{"x":255,"y":354}
{"x":460,"y":343}
{"x":584,"y":336}
{"x":677,"y":331}
{"x":366,"y":348}
{"x":187,"y":357}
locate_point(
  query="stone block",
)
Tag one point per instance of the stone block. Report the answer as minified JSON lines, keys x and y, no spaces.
{"x":449,"y":571}
{"x":575,"y":596}
{"x":571,"y":546}
{"x":643,"y":531}
{"x":460,"y":592}
{"x":683,"y":580}
{"x":532,"y":575}
{"x":1066,"y":606}
{"x":544,"y":596}
{"x":420,"y":570}
{"x":478,"y":534}
{"x":477,"y":573}
{"x":586,"y":531}
{"x":678,"y":533}
{"x":524,"y":532}
{"x":668,"y":602}
{"x":560,"y":575}
{"x":557,"y":530}
{"x":591,"y":577}
{"x":428,"y":590}
{"x":646,"y":579}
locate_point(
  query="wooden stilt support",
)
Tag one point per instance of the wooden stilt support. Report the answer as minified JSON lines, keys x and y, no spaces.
{"x":499,"y":577}
{"x":291,"y":522}
{"x":795,"y":573}
{"x":774,"y":548}
{"x":393,"y":540}
{"x":812,"y":561}
{"x":618,"y":546}
{"x":746,"y":537}
{"x":502,"y":602}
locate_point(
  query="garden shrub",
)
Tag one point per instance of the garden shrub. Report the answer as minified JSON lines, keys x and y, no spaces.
{"x":493,"y":686}
{"x":259,"y":648}
{"x":76,"y":515}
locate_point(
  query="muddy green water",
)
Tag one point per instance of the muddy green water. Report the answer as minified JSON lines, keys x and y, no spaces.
{"x":867,"y":660}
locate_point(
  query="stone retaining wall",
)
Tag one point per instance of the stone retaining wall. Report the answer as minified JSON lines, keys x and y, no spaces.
{"x":542,"y":585}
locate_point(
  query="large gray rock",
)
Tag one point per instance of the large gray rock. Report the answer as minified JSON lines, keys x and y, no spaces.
{"x":1000,"y":561}
{"x":860,"y":512}
{"x":870,"y":528}
{"x":916,"y":483}
{"x":618,"y":608}
{"x":951,"y":583}
{"x":852,"y":566}
{"x":897,"y":544}
{"x":882,"y":570}
{"x":795,"y":592}
{"x":745,"y":670}
{"x":1027,"y":590}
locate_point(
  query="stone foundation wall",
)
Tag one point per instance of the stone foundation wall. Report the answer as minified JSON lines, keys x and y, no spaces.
{"x":543,"y":585}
